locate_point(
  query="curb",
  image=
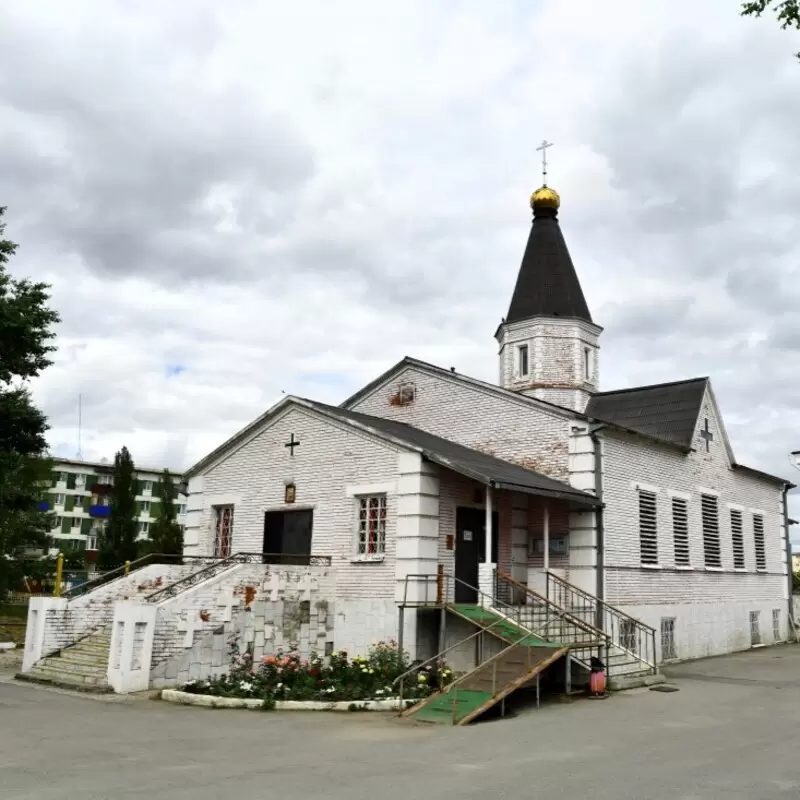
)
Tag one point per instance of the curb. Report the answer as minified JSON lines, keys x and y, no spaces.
{"x":86,"y":688}
{"x":212,"y":701}
{"x":624,"y":682}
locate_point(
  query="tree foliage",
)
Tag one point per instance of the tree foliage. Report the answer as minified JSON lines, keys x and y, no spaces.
{"x":787,"y":12}
{"x":25,"y":346}
{"x":165,"y":533}
{"x":118,"y":541}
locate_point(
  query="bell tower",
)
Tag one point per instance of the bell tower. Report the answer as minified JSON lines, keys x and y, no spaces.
{"x":549,"y":345}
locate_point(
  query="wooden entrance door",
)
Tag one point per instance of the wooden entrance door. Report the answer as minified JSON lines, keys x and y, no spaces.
{"x":287,"y":534}
{"x":471,"y":550}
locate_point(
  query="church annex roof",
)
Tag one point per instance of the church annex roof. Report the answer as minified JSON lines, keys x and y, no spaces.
{"x":547,"y":284}
{"x":664,"y":411}
{"x":472,"y":463}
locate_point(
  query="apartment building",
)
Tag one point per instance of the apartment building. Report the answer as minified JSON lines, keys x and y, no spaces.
{"x":80,"y":497}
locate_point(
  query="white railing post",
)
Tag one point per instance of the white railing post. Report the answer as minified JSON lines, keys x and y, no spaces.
{"x":36,"y":640}
{"x":131,"y":651}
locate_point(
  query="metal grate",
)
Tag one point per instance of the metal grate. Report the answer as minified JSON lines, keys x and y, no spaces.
{"x":648,"y":530}
{"x":755,"y":629}
{"x":680,"y":531}
{"x":776,"y":625}
{"x":627,"y":635}
{"x":223,"y":532}
{"x":668,"y":638}
{"x":737,"y":538}
{"x":372,"y":525}
{"x":758,"y":538}
{"x":711,"y":549}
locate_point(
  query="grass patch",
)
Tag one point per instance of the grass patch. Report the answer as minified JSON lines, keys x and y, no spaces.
{"x":13,"y":611}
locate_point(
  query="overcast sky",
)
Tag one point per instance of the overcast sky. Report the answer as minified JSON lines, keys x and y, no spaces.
{"x":262,"y":197}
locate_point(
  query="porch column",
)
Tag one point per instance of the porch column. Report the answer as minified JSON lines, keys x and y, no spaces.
{"x":487,"y":568}
{"x":546,"y":535}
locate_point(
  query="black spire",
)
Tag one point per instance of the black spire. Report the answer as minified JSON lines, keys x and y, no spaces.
{"x":547,"y":284}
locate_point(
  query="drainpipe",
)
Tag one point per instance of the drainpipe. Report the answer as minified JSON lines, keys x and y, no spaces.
{"x":600,"y":591}
{"x":789,"y":575}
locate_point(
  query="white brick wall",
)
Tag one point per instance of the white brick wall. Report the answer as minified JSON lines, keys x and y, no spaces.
{"x":331,"y":463}
{"x":699,"y":598}
{"x":506,"y":426}
{"x":557,"y":360}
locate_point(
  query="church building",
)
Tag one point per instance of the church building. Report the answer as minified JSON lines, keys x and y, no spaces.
{"x":624,"y":508}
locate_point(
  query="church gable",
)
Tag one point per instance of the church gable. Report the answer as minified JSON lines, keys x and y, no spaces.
{"x":478,"y":415}
{"x":710,"y":439}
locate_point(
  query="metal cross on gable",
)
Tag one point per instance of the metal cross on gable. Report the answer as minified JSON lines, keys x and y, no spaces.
{"x":707,"y":435}
{"x":292,"y":443}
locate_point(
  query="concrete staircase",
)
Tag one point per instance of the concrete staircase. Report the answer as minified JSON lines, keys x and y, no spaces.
{"x":82,"y":666}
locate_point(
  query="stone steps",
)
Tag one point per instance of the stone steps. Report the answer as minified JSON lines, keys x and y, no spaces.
{"x":84,"y":665}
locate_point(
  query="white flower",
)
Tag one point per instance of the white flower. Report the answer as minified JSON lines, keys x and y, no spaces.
{"x":379,"y":691}
{"x":246,"y":686}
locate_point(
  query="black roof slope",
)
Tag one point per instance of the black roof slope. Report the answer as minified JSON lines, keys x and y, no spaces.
{"x":547,"y":284}
{"x":464,"y":460}
{"x":666,"y":411}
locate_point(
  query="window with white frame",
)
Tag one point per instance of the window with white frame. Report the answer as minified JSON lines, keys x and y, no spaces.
{"x":760,"y":543}
{"x":57,"y":523}
{"x":587,"y":364}
{"x":78,"y":501}
{"x":371,"y":526}
{"x":710,"y":513}
{"x":523,"y":366}
{"x":80,"y":479}
{"x":144,"y":527}
{"x":91,"y":543}
{"x":668,"y":638}
{"x":147,"y":487}
{"x":76,"y":522}
{"x":776,"y":625}
{"x":648,"y":529}
{"x":182,"y":508}
{"x":62,"y":477}
{"x":680,"y":531}
{"x":145,"y":506}
{"x":61,"y":499}
{"x":737,"y":538}
{"x":106,"y":480}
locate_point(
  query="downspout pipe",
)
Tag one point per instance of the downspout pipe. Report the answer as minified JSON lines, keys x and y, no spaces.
{"x":594,"y":429}
{"x":789,"y":574}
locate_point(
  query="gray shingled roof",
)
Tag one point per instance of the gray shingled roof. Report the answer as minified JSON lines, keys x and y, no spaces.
{"x":464,"y":460}
{"x":665,"y":411}
{"x":547,"y":284}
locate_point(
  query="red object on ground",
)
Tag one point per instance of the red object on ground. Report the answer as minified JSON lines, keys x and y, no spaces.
{"x":597,"y":683}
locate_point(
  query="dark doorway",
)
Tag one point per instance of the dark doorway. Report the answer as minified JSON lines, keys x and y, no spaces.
{"x":287,"y":536}
{"x":471,"y":550}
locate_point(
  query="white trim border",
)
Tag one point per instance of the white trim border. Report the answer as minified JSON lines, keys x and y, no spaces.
{"x":211,"y":701}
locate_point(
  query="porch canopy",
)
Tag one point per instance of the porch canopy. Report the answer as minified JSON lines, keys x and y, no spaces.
{"x":487,"y":469}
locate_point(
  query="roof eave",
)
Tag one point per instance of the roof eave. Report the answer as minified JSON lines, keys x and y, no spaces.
{"x":765,"y":475}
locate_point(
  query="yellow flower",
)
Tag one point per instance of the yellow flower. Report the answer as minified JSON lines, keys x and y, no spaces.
{"x":422,"y":678}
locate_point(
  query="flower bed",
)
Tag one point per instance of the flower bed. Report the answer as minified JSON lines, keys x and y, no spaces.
{"x":285,"y":676}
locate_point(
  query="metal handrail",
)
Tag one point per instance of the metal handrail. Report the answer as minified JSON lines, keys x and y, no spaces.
{"x":107,"y":577}
{"x":222,"y":564}
{"x":560,"y":612}
{"x":598,"y":605}
{"x":593,"y":599}
{"x":418,"y":667}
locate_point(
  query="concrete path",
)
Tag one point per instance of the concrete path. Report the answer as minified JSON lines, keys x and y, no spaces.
{"x":730,"y":732}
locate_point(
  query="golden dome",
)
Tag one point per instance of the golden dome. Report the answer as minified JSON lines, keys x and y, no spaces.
{"x":545,"y":197}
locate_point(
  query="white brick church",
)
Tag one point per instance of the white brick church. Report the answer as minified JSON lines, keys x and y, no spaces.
{"x":427,"y":486}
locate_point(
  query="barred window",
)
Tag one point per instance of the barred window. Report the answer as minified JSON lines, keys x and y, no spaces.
{"x":737,"y":538}
{"x":372,"y":525}
{"x":680,"y":531}
{"x":776,"y":625}
{"x":755,"y":629}
{"x":223,"y":531}
{"x":758,"y":538}
{"x":710,"y":512}
{"x":668,"y":638}
{"x":648,"y":532}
